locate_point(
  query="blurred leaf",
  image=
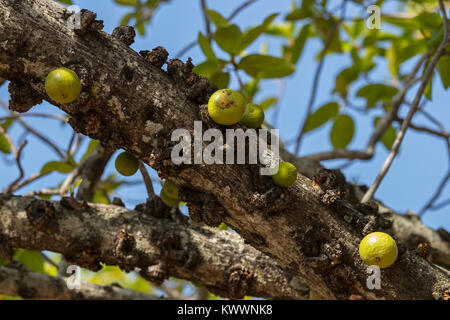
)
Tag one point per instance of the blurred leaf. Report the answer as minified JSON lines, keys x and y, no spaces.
{"x":61,"y":167}
{"x":99,"y":197}
{"x":344,"y":79}
{"x":7,"y":123}
{"x":131,"y":3}
{"x":377,"y":92}
{"x":325,"y":26}
{"x":32,"y":259}
{"x":429,"y":20}
{"x":206,"y":47}
{"x":443,"y":67}
{"x":262,"y":66}
{"x":341,"y":133}
{"x":126,"y":19}
{"x":306,"y":11}
{"x":321,"y":116}
{"x":69,"y":2}
{"x":280,"y":30}
{"x":267,"y":103}
{"x":216,"y":18}
{"x":207,"y":68}
{"x":299,"y":43}
{"x":220,"y":79}
{"x":91,"y":147}
{"x":389,"y":135}
{"x":429,"y":89}
{"x":4,"y":144}
{"x":253,"y":33}
{"x":229,"y":38}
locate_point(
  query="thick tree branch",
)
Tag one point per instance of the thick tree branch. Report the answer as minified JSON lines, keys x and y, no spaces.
{"x":159,"y":247}
{"x":312,"y":228}
{"x":18,"y":280}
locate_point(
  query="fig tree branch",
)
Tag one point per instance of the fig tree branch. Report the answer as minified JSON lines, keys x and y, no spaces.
{"x":312,"y":228}
{"x":158,"y":247}
{"x":18,"y":280}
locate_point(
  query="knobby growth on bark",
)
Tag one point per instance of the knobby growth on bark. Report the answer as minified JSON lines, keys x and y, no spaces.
{"x":306,"y":235}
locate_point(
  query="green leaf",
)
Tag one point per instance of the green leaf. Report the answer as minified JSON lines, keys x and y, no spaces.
{"x":377,"y":92}
{"x":261,"y":66}
{"x":341,"y":133}
{"x":321,"y":116}
{"x":91,"y":147}
{"x":229,"y":38}
{"x":131,"y":3}
{"x":429,"y":20}
{"x":443,"y":67}
{"x":4,"y":144}
{"x":207,"y":68}
{"x":61,"y":167}
{"x":216,"y":18}
{"x":267,"y":103}
{"x":299,"y":43}
{"x":344,"y":79}
{"x":253,"y":33}
{"x":306,"y":11}
{"x":389,"y":135}
{"x":220,"y":79}
{"x":69,"y":2}
{"x":206,"y":47}
{"x":126,"y":19}
{"x":32,"y":259}
{"x":325,"y":26}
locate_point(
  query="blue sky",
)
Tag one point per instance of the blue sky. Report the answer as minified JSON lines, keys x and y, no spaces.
{"x":412,"y":180}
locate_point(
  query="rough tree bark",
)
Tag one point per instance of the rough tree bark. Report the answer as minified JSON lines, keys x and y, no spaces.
{"x":18,"y":280}
{"x":149,"y":240}
{"x":313,"y":228}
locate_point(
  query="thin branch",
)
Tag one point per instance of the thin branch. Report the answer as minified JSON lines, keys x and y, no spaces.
{"x":317,"y":74}
{"x":18,"y":280}
{"x":231,"y":17}
{"x":381,"y":127}
{"x":147,"y":180}
{"x":436,"y":195}
{"x":206,"y":19}
{"x":415,"y":105}
{"x":315,"y":87}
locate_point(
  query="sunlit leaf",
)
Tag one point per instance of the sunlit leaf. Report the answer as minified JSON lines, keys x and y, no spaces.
{"x":32,"y":259}
{"x":4,"y":144}
{"x":61,"y":167}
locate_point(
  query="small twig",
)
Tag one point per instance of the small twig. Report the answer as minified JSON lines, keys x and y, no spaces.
{"x":436,"y":195}
{"x":205,"y":17}
{"x":48,"y":260}
{"x":414,"y":107}
{"x":317,"y":74}
{"x":231,"y":17}
{"x":18,"y":154}
{"x":147,"y":180}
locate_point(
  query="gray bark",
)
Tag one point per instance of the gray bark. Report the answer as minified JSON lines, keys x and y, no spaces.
{"x":312,"y":228}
